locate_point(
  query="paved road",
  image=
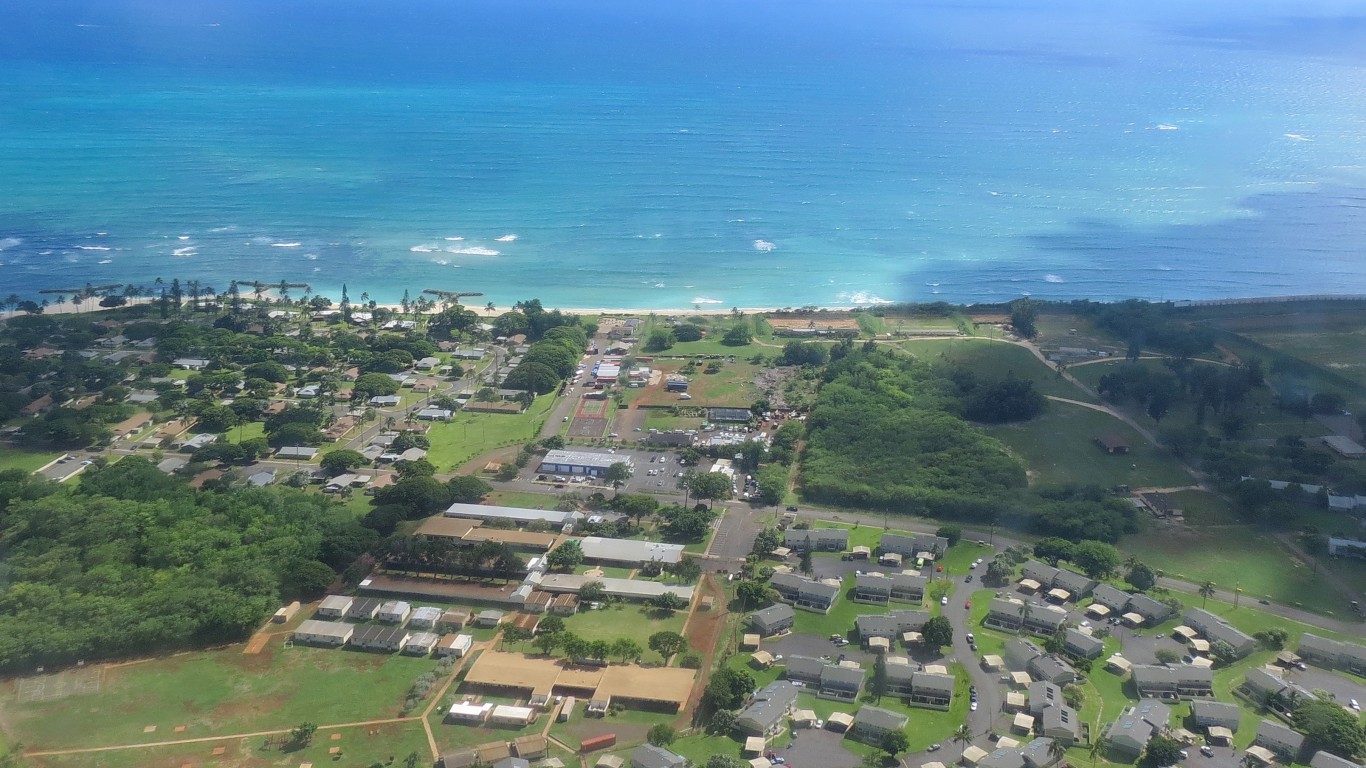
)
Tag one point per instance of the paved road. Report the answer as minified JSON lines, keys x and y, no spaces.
{"x":989,"y":692}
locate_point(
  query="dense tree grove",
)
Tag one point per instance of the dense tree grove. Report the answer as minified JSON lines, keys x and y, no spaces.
{"x":882,"y":436}
{"x":132,"y":561}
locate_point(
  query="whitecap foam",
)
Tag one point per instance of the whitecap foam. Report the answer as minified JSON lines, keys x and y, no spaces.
{"x":505,"y":238}
{"x":9,"y":242}
{"x":105,"y":261}
{"x":92,"y":247}
{"x":473,"y":250}
{"x":183,"y":237}
{"x":705,"y":300}
{"x":763,"y":246}
{"x":441,"y":262}
{"x":311,"y":256}
{"x":1167,"y":127}
{"x":186,"y":251}
{"x":1297,"y":137}
{"x":861,"y":297}
{"x":454,"y":239}
{"x":285,"y":245}
{"x":424,"y":248}
{"x":1052,"y":278}
{"x":228,"y":228}
{"x":660,"y":285}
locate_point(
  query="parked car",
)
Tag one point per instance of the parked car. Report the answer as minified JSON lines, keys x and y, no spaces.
{"x":1207,"y":751}
{"x":944,"y":600}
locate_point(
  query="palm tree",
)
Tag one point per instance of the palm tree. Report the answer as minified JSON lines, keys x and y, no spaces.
{"x":1206,"y":592}
{"x":1099,"y":747}
{"x":1056,"y":749}
{"x":963,"y":735}
{"x":489,"y":308}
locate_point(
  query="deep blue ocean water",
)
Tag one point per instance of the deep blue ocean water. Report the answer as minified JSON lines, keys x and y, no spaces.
{"x":667,"y":154}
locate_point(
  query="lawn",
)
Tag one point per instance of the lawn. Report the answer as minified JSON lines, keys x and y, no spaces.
{"x":248,"y":431}
{"x":521,"y":499}
{"x":663,"y":421}
{"x":221,"y":691}
{"x":470,"y":435}
{"x":1234,"y":556}
{"x":1331,"y":339}
{"x":840,"y":619}
{"x":28,"y":461}
{"x":624,"y":620}
{"x":995,"y":360}
{"x":453,"y":736}
{"x":1058,"y":447}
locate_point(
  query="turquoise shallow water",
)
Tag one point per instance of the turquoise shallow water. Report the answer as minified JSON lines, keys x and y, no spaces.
{"x":601,"y":154}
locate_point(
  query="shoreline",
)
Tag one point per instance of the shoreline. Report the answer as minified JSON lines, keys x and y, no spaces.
{"x":65,"y":308}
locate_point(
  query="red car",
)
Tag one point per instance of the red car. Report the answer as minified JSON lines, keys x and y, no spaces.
{"x":968,"y":605}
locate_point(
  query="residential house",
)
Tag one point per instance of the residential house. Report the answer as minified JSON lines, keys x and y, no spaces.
{"x":1155,"y":681}
{"x":773,"y":619}
{"x":421,"y":643}
{"x":454,"y":645}
{"x":1323,"y":759}
{"x":1214,"y":714}
{"x":1332,"y":654}
{"x":832,"y":681}
{"x":1051,"y":667}
{"x":890,"y":626}
{"x":1078,"y":586}
{"x":1215,"y":629}
{"x":334,"y":607}
{"x":1060,"y":722}
{"x":1005,"y":613}
{"x":363,"y":609}
{"x":1129,"y":733}
{"x":1039,"y":753}
{"x":821,"y":539}
{"x":1039,"y":573}
{"x":1153,"y":611}
{"x":1042,"y":695}
{"x":908,"y":588}
{"x":327,"y":633}
{"x":650,"y":756}
{"x":1019,"y":652}
{"x":872,"y":587}
{"x":425,"y":617}
{"x":911,"y":546}
{"x":373,"y":637}
{"x":1116,"y":600}
{"x":805,"y":593}
{"x":1080,"y":645}
{"x":931,"y":690}
{"x":395,"y":611}
{"x":489,"y":618}
{"x":872,"y":723}
{"x":767,"y":709}
{"x":1281,"y":739}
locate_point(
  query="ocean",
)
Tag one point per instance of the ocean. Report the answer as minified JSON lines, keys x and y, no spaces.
{"x":676,"y":154}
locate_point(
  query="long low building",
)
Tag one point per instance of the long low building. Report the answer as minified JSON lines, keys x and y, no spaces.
{"x":630,"y":551}
{"x":589,"y":463}
{"x":515,"y":515}
{"x":633,"y":589}
{"x":655,"y":688}
{"x":328,"y":633}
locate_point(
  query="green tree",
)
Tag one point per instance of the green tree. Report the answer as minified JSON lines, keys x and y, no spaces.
{"x":1328,"y":726}
{"x":342,"y":460}
{"x":626,"y":649}
{"x":566,"y":556}
{"x":617,"y":474}
{"x":372,"y":385}
{"x":599,"y":649}
{"x":667,"y":644}
{"x":1162,"y":750}
{"x":685,"y":570}
{"x":1141,"y":577}
{"x":951,"y":532}
{"x":467,"y":489}
{"x":728,"y":689}
{"x":938,"y":632}
{"x":894,"y":743}
{"x":668,"y":603}
{"x":301,"y":736}
{"x":722,"y":722}
{"x":547,"y":642}
{"x":1207,"y":591}
{"x":1053,"y":549}
{"x":515,"y":634}
{"x":878,"y":686}
{"x":712,"y":486}
{"x":752,"y":594}
{"x":659,"y":340}
{"x":592,"y":592}
{"x":549,"y":624}
{"x":1096,"y":558}
{"x":738,"y":335}
{"x":1023,"y":315}
{"x":805,"y":560}
{"x":661,"y":735}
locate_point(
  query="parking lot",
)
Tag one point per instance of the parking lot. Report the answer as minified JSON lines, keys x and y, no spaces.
{"x":664,"y":465}
{"x":1343,"y":688}
{"x":67,"y":467}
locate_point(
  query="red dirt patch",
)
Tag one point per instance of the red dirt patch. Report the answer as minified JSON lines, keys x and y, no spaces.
{"x":704,"y":635}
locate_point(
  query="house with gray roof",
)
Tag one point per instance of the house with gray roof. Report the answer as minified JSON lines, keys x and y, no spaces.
{"x":1215,"y":714}
{"x":1060,"y":722}
{"x":1215,"y":629}
{"x":332,"y":634}
{"x":820,"y":539}
{"x":1004,"y":757}
{"x":1005,"y":614}
{"x":910,"y":546}
{"x":1117,"y":600}
{"x":364,"y":609}
{"x":1039,"y":753}
{"x":1154,"y":681}
{"x":804,"y":669}
{"x":650,"y":756}
{"x":1040,"y":572}
{"x":900,"y":679}
{"x":629,"y":552}
{"x":1042,"y":695}
{"x":871,"y":723}
{"x":908,"y":588}
{"x":769,"y":707}
{"x":1281,"y":739}
{"x":1051,"y":667}
{"x":872,"y":587}
{"x":1080,"y":645}
{"x":1019,"y":652}
{"x":373,"y":637}
{"x":1130,"y":732}
{"x":1323,"y":759}
{"x":1152,"y":611}
{"x":1332,"y":654}
{"x":832,"y":681}
{"x":891,"y":625}
{"x":931,"y":690}
{"x":334,"y":606}
{"x":773,"y":619}
{"x":1043,"y":620}
{"x":805,"y":593}
{"x":1077,"y":585}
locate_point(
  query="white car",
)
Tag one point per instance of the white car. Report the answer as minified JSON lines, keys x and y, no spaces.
{"x":973,"y":706}
{"x":1354,"y":705}
{"x":944,"y":600}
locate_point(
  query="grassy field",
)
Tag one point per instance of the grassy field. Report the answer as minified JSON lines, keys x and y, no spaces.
{"x":520,"y":499}
{"x":991,"y":359}
{"x":469,"y":435}
{"x":360,"y":746}
{"x":220,"y":692}
{"x":1330,"y":341}
{"x":28,"y":461}
{"x":624,"y":620}
{"x":1233,"y":556}
{"x":662,"y":420}
{"x":840,"y":619}
{"x":1058,"y":448}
